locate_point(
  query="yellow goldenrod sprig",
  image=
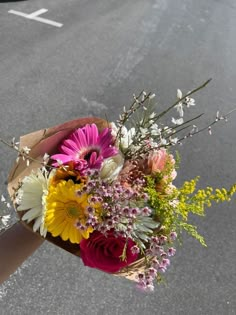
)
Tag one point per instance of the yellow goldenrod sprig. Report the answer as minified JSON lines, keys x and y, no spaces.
{"x":173,"y":209}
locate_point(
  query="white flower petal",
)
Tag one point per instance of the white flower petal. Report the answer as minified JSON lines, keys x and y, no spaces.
{"x":179,"y":108}
{"x":126,"y":137}
{"x":178,"y":121}
{"x":111,"y":167}
{"x":37,"y":224}
{"x":32,"y":214}
{"x":179,"y":94}
{"x":31,"y":198}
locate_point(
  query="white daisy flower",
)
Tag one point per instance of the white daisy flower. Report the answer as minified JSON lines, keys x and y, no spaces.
{"x":31,"y":197}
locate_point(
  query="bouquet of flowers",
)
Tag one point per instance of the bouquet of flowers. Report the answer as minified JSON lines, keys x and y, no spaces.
{"x":104,"y":191}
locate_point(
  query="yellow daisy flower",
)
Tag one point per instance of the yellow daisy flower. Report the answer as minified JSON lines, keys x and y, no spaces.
{"x":64,"y":208}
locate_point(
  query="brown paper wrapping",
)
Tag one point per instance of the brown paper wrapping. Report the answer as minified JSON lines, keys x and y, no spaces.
{"x":46,"y":141}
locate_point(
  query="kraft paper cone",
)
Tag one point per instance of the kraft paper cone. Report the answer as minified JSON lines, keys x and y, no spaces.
{"x":46,"y":141}
{"x":41,"y":142}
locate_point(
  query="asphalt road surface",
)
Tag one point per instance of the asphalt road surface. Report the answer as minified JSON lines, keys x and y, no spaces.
{"x":103,"y":53}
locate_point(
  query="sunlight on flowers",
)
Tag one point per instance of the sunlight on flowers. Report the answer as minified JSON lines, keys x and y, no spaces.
{"x":31,"y":197}
{"x":65,"y":207}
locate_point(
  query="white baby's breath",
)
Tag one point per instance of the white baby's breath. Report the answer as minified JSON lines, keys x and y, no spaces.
{"x":179,"y":94}
{"x":155,"y":130}
{"x":189,"y":101}
{"x":174,"y":140}
{"x":152,"y":96}
{"x":143,"y":131}
{"x":46,"y":158}
{"x":179,"y":108}
{"x":26,"y":150}
{"x":194,"y":129}
{"x":163,"y":141}
{"x":178,"y":121}
{"x":126,"y":138}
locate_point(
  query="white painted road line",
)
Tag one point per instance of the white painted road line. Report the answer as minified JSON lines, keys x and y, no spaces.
{"x":50,"y":22}
{"x":18,"y":13}
{"x":35,"y":16}
{"x":37,"y":13}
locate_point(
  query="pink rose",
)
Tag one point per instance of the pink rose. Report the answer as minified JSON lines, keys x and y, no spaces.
{"x":158,"y":160}
{"x":101,"y":252}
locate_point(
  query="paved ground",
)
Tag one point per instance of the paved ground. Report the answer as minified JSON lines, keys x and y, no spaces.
{"x":104,"y":52}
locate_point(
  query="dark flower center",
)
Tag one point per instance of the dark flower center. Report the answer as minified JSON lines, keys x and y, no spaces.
{"x":86,"y":155}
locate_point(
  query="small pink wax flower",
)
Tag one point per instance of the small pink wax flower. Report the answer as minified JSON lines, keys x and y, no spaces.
{"x":86,"y":148}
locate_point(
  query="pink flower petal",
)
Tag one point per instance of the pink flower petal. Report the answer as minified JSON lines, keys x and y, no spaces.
{"x":87,"y":145}
{"x":67,"y":150}
{"x":105,"y":138}
{"x":70,"y":144}
{"x":62,"y":157}
{"x":109,"y":152}
{"x":92,"y":134}
{"x":80,"y":138}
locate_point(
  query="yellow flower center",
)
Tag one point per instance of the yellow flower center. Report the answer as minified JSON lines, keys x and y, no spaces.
{"x":64,"y":207}
{"x":74,"y":210}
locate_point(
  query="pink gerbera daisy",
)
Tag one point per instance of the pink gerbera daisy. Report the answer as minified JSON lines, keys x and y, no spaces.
{"x":86,"y":148}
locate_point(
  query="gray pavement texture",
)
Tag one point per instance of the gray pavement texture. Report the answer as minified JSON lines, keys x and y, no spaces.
{"x":106,"y":51}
